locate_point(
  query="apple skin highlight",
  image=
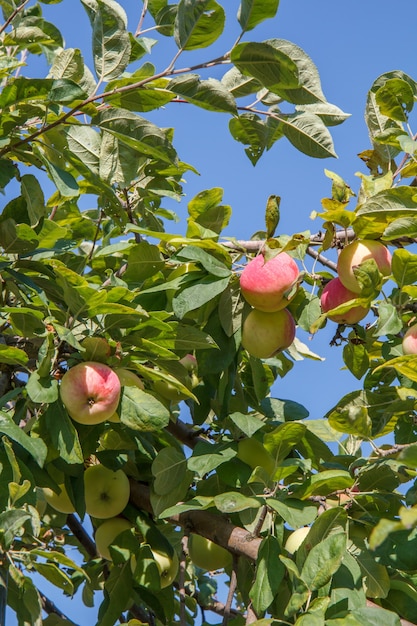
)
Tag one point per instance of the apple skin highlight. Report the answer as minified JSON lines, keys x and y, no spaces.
{"x":90,"y":392}
{"x":264,"y":283}
{"x":265,"y":334}
{"x":333,"y":295}
{"x":410,"y":340}
{"x":356,"y":253}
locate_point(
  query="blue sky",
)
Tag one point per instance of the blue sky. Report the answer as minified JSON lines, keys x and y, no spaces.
{"x":351,"y":44}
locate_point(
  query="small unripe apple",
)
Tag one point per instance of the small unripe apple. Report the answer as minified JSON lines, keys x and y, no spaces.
{"x":107,"y":532}
{"x":356,"y":253}
{"x":252,"y":452}
{"x":59,"y":501}
{"x":167,"y":566}
{"x":333,"y":295}
{"x":90,"y":392}
{"x":296,"y":538}
{"x":410,"y":340}
{"x":106,"y":492}
{"x":96,"y":349}
{"x":264,"y":284}
{"x":128,"y":378}
{"x":207,"y":554}
{"x":266,"y":334}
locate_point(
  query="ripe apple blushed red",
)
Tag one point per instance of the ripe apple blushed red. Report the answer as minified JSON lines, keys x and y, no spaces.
{"x":410,"y":340}
{"x":356,"y":253}
{"x":333,"y":295}
{"x":264,"y":283}
{"x":90,"y":392}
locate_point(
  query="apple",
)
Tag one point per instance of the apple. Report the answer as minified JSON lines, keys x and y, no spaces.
{"x":90,"y":392}
{"x":356,"y":253}
{"x":107,"y":532}
{"x":333,"y":295}
{"x":410,"y":340}
{"x":265,"y":334}
{"x":59,"y":501}
{"x":167,"y":566}
{"x":207,"y":554}
{"x":265,"y":284}
{"x":296,"y":538}
{"x":252,"y":452}
{"x":128,"y":378}
{"x":96,"y":349}
{"x":106,"y":492}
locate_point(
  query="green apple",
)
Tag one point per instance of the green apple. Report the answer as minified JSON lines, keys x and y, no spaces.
{"x":167,"y":566}
{"x":107,"y":532}
{"x":106,"y":492}
{"x":59,"y":501}
{"x":90,"y":392}
{"x":96,"y":349}
{"x":296,"y":538}
{"x":252,"y":452}
{"x":266,"y":334}
{"x":128,"y":378}
{"x":207,"y":554}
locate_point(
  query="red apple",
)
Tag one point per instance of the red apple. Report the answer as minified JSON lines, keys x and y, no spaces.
{"x":265,"y":334}
{"x":264,"y":284}
{"x":90,"y":392}
{"x":356,"y":253}
{"x":333,"y":295}
{"x":410,"y":340}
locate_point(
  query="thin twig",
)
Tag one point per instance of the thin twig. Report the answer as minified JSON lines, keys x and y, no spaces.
{"x":12,"y":16}
{"x":230,"y":595}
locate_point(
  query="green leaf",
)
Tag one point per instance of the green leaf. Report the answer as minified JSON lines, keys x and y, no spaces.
{"x":10,"y":523}
{"x":253,"y":12}
{"x":323,"y":560}
{"x":117,"y":592}
{"x":282,"y":440}
{"x":308,"y":134}
{"x":12,"y":356}
{"x":375,"y":215}
{"x":42,"y":389}
{"x":404,"y":267}
{"x":53,"y":574}
{"x":308,"y":89}
{"x":36,"y":447}
{"x":270,"y":66}
{"x":84,"y":142}
{"x":34,"y":198}
{"x":324,"y":483}
{"x":111,"y":41}
{"x":198,"y":23}
{"x":141,"y":411}
{"x":168,"y":470}
{"x":355,"y":355}
{"x":389,"y":322}
{"x":137,"y":132}
{"x":144,"y":260}
{"x":269,"y":574}
{"x":196,"y":296}
{"x":295,"y":513}
{"x":248,"y":424}
{"x":376,"y":578}
{"x":59,"y":432}
{"x":395,"y":99}
{"x":206,"y":457}
{"x":233,"y":502}
{"x":405,"y":365}
{"x":209,"y":94}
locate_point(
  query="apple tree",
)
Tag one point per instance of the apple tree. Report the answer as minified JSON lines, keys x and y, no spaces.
{"x":142,"y":448}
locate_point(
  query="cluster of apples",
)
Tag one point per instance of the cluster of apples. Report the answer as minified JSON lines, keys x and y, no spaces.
{"x":345,"y":286}
{"x":268,"y":286}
